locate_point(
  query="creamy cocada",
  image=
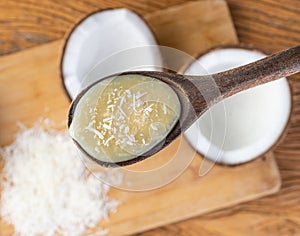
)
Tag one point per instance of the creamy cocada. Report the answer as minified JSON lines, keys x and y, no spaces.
{"x":124,"y":116}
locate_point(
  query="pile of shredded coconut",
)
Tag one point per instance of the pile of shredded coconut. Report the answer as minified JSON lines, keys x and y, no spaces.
{"x":46,"y":188}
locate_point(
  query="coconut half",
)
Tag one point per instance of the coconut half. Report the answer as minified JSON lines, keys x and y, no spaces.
{"x":243,"y":126}
{"x":104,"y":43}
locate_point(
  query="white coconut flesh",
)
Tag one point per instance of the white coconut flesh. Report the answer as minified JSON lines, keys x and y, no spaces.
{"x":105,"y":43}
{"x":245,"y":125}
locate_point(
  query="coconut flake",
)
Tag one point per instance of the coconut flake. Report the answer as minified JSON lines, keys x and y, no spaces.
{"x":46,"y":188}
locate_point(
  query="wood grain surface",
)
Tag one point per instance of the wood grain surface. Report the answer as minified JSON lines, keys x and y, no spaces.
{"x":29,"y":82}
{"x":188,"y":195}
{"x":270,"y":25}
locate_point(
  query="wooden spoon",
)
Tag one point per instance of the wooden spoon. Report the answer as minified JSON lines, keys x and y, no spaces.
{"x":198,"y":93}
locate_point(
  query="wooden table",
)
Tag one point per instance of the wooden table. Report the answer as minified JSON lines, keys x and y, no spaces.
{"x":270,"y":25}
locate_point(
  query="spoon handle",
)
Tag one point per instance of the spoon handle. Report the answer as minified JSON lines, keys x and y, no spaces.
{"x":270,"y":68}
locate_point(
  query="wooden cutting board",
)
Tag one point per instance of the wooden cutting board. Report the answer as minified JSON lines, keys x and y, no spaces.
{"x":30,"y":87}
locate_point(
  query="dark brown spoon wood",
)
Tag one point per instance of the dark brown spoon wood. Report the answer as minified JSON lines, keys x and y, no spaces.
{"x":198,"y":93}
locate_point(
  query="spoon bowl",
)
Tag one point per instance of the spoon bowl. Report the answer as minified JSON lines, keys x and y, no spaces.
{"x":197,"y":93}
